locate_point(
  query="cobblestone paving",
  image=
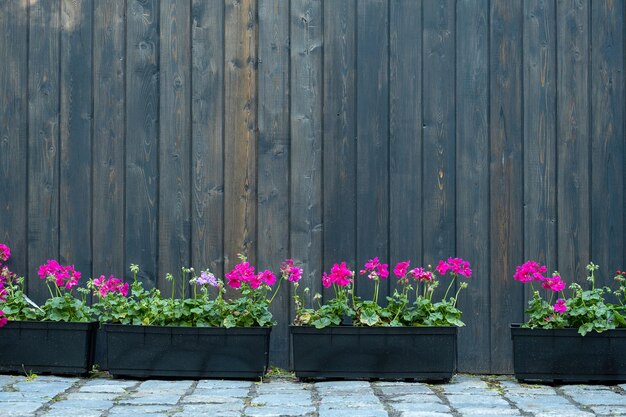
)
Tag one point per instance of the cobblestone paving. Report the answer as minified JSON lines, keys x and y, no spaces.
{"x":471,"y":396}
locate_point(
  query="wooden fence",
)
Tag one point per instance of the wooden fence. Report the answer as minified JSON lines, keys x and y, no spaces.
{"x":182,"y":132}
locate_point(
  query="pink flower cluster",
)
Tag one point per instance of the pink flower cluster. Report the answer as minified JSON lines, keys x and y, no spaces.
{"x":244,"y":272}
{"x":3,"y":319}
{"x":531,"y":271}
{"x":374,"y":269}
{"x":420,"y":274}
{"x":457,"y":266}
{"x":560,"y":306}
{"x":62,"y":276}
{"x":5,"y":252}
{"x":339,"y":274}
{"x":111,"y":285}
{"x":290,"y":272}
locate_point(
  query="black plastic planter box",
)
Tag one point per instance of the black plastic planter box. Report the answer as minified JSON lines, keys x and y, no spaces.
{"x":47,"y":347}
{"x":562,"y":355}
{"x":417,"y":353}
{"x":186,"y":352}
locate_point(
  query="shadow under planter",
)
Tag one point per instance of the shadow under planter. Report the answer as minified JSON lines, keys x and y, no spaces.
{"x":563,"y":355}
{"x":186,"y":352}
{"x":416,"y":353}
{"x":47,"y":347}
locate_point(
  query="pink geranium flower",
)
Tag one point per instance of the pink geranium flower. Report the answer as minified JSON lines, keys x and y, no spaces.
{"x":560,"y":306}
{"x":242,"y":272}
{"x":401,"y":269}
{"x":110,"y":285}
{"x":374,"y":269}
{"x":457,"y":266}
{"x":553,"y":283}
{"x":62,"y":276}
{"x":420,"y":274}
{"x":291,"y":272}
{"x":267,"y":277}
{"x":530,"y":271}
{"x":339,"y":274}
{"x":5,"y":252}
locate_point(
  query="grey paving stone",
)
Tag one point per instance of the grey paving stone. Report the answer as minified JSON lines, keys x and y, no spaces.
{"x":324,"y":406}
{"x":562,"y":413}
{"x":404,"y":389}
{"x":274,"y":387}
{"x":353,"y":413}
{"x":12,"y":396}
{"x":140,"y":409}
{"x":489,"y":412}
{"x":609,"y":410}
{"x":92,"y":396}
{"x":430,"y":407}
{"x":293,"y":398}
{"x":210,"y":409}
{"x":235,"y":392}
{"x":19,"y":408}
{"x":211,"y":399}
{"x":104,"y":389}
{"x":138,"y":399}
{"x":279,"y":411}
{"x":414,"y":398}
{"x":368,"y":398}
{"x":7,"y":379}
{"x":220,"y":384}
{"x":83,"y":404}
{"x":424,"y":414}
{"x":600,"y":398}
{"x":73,"y":412}
{"x":162,"y":387}
{"x":141,"y":415}
{"x":469,"y":400}
{"x":52,"y":387}
{"x":517,"y":388}
{"x":216,"y":414}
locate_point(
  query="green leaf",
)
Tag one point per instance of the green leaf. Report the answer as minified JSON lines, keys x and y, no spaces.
{"x":369,"y":318}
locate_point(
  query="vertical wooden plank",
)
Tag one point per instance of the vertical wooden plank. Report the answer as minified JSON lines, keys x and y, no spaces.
{"x":207,"y":135}
{"x":472,"y":176}
{"x":142,"y":130}
{"x":506,"y":188}
{"x":307,"y":34}
{"x":174,"y":141}
{"x":372,"y":214}
{"x":439,"y":131}
{"x":273,"y":159}
{"x":76,"y":116}
{"x":339,"y":124}
{"x":240,"y":124}
{"x":405,"y":131}
{"x":607,"y":137}
{"x":108,"y":138}
{"x":43,"y":139}
{"x":573,"y":139}
{"x":540,"y":132}
{"x":14,"y":138}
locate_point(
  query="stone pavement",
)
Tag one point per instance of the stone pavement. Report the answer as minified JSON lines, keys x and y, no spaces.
{"x":465,"y":395}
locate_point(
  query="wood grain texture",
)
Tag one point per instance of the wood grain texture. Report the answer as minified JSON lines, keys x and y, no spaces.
{"x":405,"y":131}
{"x":339,"y":131}
{"x":240,"y":130}
{"x":573,"y":139}
{"x":142,"y":135}
{"x":607,"y":138}
{"x":438,"y":112}
{"x":43,"y":140}
{"x":14,"y":138}
{"x":207,"y":118}
{"x":472,"y":179}
{"x":540,"y":194}
{"x":273,"y":159}
{"x":506,"y":174}
{"x":75,"y":129}
{"x":306,"y":140}
{"x":372,"y":214}
{"x":174,"y":142}
{"x":108,"y":138}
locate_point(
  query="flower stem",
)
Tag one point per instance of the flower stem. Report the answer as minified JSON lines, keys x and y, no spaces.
{"x":280,"y":281}
{"x":449,"y":286}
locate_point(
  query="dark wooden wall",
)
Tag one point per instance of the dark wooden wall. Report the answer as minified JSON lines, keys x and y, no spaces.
{"x":181,"y":132}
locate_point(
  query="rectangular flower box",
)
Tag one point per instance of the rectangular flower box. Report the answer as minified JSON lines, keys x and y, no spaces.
{"x":563,"y":355}
{"x":190,"y":352}
{"x":416,"y":353}
{"x":47,"y":347}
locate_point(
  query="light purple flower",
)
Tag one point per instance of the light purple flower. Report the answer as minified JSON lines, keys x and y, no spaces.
{"x":207,"y":278}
